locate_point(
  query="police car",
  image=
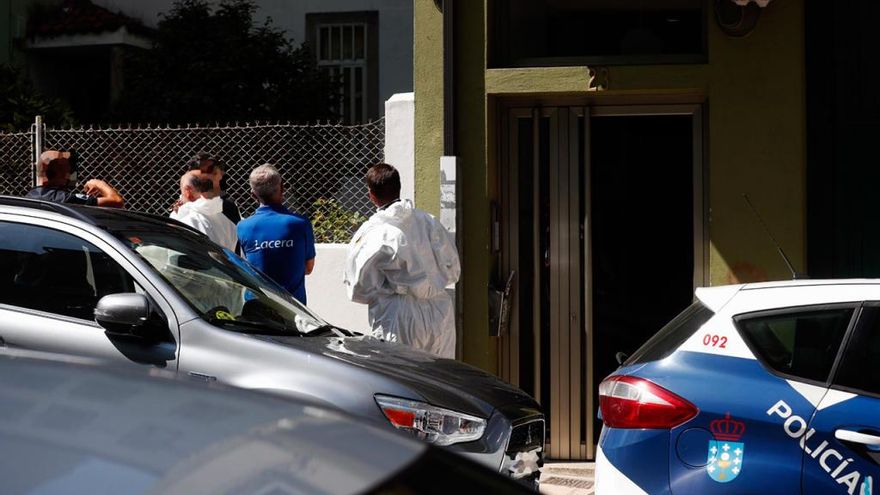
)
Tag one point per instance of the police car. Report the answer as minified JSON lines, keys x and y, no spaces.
{"x":754,"y":389}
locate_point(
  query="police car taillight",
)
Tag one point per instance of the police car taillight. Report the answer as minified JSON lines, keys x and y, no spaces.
{"x":631,"y":402}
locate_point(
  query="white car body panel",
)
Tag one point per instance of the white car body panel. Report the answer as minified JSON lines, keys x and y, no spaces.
{"x":610,"y":481}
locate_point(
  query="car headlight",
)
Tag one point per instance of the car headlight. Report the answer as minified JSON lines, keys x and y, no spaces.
{"x":430,"y":423}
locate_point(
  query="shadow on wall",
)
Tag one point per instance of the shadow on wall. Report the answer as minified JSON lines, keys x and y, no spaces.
{"x":742,"y":250}
{"x":745,"y":272}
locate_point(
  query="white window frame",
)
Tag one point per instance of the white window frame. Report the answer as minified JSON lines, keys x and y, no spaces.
{"x":349,"y":91}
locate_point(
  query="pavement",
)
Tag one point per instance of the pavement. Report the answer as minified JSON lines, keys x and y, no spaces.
{"x":568,"y":478}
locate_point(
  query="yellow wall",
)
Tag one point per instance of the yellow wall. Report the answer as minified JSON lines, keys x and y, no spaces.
{"x":754,"y":91}
{"x":757,"y":145}
{"x":471,"y":146}
{"x":428,"y":87}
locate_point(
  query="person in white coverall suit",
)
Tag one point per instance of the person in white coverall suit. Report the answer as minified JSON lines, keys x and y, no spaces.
{"x":400,"y":262}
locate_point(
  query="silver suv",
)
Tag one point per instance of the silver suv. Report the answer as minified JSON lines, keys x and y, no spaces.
{"x":137,"y":289}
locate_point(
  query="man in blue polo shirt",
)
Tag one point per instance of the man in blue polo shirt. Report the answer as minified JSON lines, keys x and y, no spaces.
{"x":275,"y":240}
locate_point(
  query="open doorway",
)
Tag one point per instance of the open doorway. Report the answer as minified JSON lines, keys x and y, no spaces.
{"x":602,"y":221}
{"x":642,"y":231}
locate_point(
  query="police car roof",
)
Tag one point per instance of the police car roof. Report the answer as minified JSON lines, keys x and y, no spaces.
{"x":810,"y":283}
{"x":715,"y":297}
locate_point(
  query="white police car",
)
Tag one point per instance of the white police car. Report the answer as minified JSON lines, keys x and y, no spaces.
{"x":754,"y":389}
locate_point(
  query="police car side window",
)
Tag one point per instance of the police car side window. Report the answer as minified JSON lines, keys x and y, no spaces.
{"x":860,"y":367}
{"x":47,"y":270}
{"x":802,"y":343}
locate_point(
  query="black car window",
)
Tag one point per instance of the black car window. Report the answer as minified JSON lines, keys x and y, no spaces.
{"x":56,"y":272}
{"x":672,"y":335}
{"x":859,"y":368}
{"x":801,"y":343}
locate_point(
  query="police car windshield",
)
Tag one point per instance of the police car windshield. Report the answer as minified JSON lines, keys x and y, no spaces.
{"x":221,"y":286}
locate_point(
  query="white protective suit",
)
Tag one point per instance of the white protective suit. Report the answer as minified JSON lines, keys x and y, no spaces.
{"x":206,"y":216}
{"x":399,"y":263}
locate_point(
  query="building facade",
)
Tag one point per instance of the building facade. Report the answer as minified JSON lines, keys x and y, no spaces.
{"x":13,"y":18}
{"x":613,"y":156}
{"x":367,"y":45}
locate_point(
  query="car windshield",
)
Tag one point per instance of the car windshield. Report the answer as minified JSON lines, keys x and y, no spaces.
{"x":222,"y":287}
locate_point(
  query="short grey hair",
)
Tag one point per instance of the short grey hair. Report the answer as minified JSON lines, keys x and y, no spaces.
{"x":265,"y":181}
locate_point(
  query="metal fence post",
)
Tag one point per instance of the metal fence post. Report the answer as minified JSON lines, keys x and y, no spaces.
{"x":37,"y":148}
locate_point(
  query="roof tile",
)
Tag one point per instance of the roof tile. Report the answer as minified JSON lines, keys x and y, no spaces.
{"x":83,"y":17}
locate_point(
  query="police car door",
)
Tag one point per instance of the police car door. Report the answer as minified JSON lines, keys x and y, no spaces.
{"x":842,"y":445}
{"x":750,"y":407}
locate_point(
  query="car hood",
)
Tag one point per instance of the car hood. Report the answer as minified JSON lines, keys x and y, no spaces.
{"x":87,"y":429}
{"x":442,"y":382}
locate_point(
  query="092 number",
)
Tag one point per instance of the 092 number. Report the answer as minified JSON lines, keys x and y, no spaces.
{"x":719,"y":341}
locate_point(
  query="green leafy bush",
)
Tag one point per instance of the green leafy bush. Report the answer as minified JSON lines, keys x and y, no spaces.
{"x":332,"y":223}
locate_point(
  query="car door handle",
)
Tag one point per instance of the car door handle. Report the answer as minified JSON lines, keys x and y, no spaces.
{"x":856,"y":437}
{"x":207,"y":378}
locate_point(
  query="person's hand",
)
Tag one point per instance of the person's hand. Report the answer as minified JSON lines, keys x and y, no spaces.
{"x":104,"y":193}
{"x":177,"y":204}
{"x":93,"y":187}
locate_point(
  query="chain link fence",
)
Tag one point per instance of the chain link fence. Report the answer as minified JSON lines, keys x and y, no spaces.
{"x":16,"y":156}
{"x":322,"y":165}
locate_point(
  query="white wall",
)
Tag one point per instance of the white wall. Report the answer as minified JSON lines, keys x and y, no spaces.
{"x":326,"y":293}
{"x":395,"y":29}
{"x":400,"y":114}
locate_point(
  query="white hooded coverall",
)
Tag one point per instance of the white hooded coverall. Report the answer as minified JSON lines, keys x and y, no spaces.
{"x":399,"y":263}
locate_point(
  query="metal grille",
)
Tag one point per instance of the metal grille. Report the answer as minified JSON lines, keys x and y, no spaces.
{"x":526,"y":437}
{"x":322,"y":165}
{"x":16,"y":152}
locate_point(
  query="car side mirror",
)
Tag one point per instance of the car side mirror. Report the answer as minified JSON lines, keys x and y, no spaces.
{"x":126,"y":315}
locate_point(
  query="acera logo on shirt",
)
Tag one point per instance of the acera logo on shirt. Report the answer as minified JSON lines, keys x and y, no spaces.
{"x":281,"y":243}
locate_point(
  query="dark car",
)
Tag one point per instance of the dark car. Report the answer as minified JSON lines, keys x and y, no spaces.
{"x":126,"y":287}
{"x":76,"y":428}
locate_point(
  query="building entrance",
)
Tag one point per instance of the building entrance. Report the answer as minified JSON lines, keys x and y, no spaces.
{"x":601,"y":218}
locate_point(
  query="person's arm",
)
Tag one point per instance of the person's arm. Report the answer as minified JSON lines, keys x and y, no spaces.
{"x":370,"y":254}
{"x":310,"y":248}
{"x":445,"y":253}
{"x":230,"y":209}
{"x":104,"y":193}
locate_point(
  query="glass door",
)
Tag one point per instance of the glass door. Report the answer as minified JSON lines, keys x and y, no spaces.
{"x":601,"y":219}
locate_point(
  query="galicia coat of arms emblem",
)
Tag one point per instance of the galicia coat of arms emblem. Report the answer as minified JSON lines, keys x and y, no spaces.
{"x":726,"y":452}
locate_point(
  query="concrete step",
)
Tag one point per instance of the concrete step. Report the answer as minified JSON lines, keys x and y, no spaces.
{"x":568,"y":478}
